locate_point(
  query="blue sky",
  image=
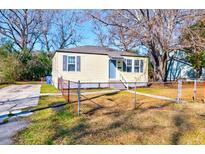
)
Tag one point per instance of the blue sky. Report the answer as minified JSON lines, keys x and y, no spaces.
{"x":85,"y":30}
{"x":89,"y":37}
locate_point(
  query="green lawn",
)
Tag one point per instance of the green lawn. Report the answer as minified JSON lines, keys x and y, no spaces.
{"x":3,"y":85}
{"x":47,"y":88}
{"x":152,"y":122}
{"x":149,"y":90}
{"x":49,"y":125}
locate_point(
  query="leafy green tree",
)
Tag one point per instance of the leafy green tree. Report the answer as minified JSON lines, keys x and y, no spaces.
{"x":10,"y":69}
{"x":194,"y":39}
{"x":198,"y":62}
{"x":9,"y":64}
{"x":39,"y":66}
{"x":35,"y":65}
{"x":23,"y":65}
{"x":24,"y":56}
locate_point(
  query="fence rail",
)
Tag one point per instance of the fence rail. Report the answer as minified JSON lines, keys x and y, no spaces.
{"x":182,"y":91}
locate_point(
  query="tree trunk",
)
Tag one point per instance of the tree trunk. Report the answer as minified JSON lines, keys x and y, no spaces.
{"x":159,"y":63}
{"x":198,"y":72}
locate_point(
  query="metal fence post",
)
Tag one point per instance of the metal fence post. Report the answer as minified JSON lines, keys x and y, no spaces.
{"x":194,"y":98}
{"x":204,"y":93}
{"x":78,"y":97}
{"x":135,"y":93}
{"x":179,"y":91}
{"x":58,"y":83}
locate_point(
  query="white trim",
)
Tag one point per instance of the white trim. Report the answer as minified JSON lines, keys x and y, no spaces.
{"x":138,"y":65}
{"x":142,"y":67}
{"x":140,"y":60}
{"x":73,"y":63}
{"x":133,"y":65}
{"x":117,"y":70}
{"x":126,"y":65}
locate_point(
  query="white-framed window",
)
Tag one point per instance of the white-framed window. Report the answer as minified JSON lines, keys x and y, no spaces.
{"x":71,"y":63}
{"x":128,"y":65}
{"x":137,"y":66}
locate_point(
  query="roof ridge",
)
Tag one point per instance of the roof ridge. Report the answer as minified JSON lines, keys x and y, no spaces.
{"x":91,"y":49}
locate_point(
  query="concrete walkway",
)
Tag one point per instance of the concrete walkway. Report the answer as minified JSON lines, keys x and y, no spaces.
{"x":13,"y":99}
{"x":99,"y":92}
{"x":155,"y":96}
{"x":96,"y":92}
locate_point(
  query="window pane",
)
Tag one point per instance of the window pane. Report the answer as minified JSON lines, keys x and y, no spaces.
{"x":71,"y":60}
{"x":129,"y":69}
{"x":129,"y":62}
{"x":136,"y":63}
{"x":141,"y":66}
{"x":137,"y":69}
{"x":71,"y":67}
{"x":129,"y":65}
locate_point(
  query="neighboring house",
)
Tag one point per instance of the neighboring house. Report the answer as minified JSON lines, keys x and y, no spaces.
{"x":179,"y":67}
{"x":93,"y":64}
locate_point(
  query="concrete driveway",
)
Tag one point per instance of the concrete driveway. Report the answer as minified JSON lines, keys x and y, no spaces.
{"x":13,"y":99}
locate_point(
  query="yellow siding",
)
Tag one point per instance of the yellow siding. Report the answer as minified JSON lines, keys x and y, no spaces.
{"x":55,"y":71}
{"x":139,"y":77}
{"x":94,"y":68}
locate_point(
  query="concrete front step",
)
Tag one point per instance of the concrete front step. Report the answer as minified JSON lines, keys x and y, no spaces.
{"x":117,"y":85}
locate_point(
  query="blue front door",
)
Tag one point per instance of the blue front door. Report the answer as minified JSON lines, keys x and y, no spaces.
{"x":112,"y":69}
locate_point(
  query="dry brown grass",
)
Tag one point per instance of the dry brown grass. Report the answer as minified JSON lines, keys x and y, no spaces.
{"x":172,"y":91}
{"x":110,"y":119}
{"x":152,"y":122}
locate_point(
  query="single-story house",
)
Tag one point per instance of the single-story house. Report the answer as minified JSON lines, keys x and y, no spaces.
{"x":94,"y":64}
{"x":179,"y":67}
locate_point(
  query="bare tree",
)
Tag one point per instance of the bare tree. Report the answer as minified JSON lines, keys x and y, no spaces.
{"x":158,"y":30}
{"x":115,"y":36}
{"x":193,"y":37}
{"x":65,"y":31}
{"x":47,"y":24}
{"x":122,"y":39}
{"x":101,"y":35}
{"x":21,"y":27}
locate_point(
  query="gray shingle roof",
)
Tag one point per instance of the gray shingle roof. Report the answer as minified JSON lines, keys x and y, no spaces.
{"x":113,"y":53}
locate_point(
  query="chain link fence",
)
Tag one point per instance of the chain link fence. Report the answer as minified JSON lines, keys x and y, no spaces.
{"x":87,"y":97}
{"x":181,"y":90}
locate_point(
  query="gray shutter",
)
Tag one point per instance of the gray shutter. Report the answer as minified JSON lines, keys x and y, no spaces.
{"x":78,"y":63}
{"x":65,"y":63}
